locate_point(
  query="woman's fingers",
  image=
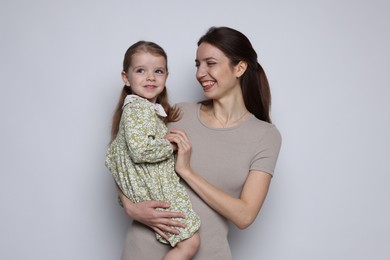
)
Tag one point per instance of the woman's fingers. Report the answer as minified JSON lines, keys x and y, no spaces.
{"x":170,"y":215}
{"x":162,"y":234}
{"x":170,"y":229}
{"x":161,"y":219}
{"x":165,"y":223}
{"x":181,"y":140}
{"x":182,"y":135}
{"x":162,"y":229}
{"x":156,"y":204}
{"x":154,"y":214}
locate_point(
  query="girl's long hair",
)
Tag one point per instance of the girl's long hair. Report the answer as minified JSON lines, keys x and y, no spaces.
{"x":173,"y":112}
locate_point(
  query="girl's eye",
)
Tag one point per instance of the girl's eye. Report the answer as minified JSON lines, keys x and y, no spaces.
{"x":140,"y":71}
{"x":160,"y":71}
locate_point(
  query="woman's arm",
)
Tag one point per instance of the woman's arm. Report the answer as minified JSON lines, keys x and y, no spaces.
{"x":146,"y":213}
{"x":241,"y":211}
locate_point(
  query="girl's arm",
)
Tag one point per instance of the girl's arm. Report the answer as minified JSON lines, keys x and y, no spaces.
{"x":241,"y":211}
{"x":146,"y":213}
{"x":140,"y":127}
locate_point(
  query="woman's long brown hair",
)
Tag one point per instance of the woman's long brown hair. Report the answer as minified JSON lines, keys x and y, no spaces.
{"x":254,"y":83}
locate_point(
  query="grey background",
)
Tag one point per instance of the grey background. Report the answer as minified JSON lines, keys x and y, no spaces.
{"x":327,"y":62}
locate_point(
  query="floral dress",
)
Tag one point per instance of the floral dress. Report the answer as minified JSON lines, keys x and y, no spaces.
{"x":142,"y":162}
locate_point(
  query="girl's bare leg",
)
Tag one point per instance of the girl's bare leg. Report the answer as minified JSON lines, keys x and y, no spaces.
{"x":185,"y":249}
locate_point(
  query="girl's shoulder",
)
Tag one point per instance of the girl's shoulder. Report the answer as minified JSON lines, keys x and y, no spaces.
{"x":136,"y":102}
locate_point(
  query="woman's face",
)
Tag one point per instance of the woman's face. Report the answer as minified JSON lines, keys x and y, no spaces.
{"x":146,"y":75}
{"x":214,"y":72}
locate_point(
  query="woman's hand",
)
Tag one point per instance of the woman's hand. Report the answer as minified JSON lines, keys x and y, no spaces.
{"x":146,"y":213}
{"x":174,"y":146}
{"x":182,"y":165}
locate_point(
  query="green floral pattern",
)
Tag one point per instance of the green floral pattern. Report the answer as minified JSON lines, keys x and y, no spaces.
{"x":142,"y":162}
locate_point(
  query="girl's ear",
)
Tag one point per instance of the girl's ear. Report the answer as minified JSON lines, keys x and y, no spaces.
{"x":241,"y":68}
{"x":125,"y":79}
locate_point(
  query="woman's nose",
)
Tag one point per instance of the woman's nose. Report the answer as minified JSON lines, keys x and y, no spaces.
{"x":200,"y":72}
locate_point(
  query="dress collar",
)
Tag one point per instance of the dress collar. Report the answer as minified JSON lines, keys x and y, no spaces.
{"x":157,"y":107}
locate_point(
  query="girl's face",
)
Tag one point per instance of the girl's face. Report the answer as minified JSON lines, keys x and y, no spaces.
{"x":214,"y":72}
{"x":146,"y":75}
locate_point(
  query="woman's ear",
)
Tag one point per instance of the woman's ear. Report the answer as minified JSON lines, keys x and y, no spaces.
{"x":241,"y":68}
{"x":125,"y":79}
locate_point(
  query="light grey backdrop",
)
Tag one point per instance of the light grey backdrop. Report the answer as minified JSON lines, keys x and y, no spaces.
{"x":327,"y":63}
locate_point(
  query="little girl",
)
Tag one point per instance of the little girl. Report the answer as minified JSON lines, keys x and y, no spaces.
{"x":139,"y":157}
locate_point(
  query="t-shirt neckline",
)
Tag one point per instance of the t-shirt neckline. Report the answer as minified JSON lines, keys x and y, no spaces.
{"x":220,"y":129}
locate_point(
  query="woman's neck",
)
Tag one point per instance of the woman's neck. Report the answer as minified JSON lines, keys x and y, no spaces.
{"x":226,"y":113}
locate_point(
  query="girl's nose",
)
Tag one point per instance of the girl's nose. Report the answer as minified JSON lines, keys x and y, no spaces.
{"x":150,"y":76}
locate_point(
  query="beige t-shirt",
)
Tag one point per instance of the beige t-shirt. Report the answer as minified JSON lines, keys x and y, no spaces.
{"x":223,"y":156}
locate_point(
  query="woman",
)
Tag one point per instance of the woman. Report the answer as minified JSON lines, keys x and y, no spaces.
{"x":227,"y":150}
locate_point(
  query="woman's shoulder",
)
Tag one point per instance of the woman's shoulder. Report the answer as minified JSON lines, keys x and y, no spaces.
{"x":187,"y":108}
{"x":264,"y":128}
{"x":188,"y":115}
{"x":187,"y":105}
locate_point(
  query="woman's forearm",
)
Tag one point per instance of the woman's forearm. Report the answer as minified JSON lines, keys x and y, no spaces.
{"x":240,"y":211}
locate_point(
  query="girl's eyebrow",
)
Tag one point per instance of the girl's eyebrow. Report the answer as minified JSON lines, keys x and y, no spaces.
{"x":139,"y":66}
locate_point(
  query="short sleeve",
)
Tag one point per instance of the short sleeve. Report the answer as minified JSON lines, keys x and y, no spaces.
{"x":267,"y":151}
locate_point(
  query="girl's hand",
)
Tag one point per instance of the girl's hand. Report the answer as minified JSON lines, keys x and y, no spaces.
{"x":146,"y":213}
{"x":182,"y":165}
